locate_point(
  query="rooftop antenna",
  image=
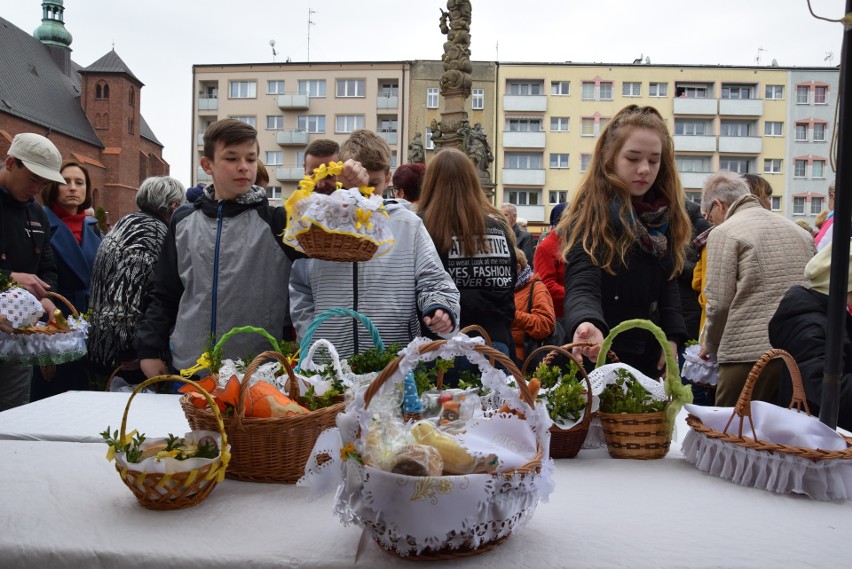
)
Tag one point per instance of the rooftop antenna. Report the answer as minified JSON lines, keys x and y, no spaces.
{"x":829,"y":56}
{"x":310,"y":23}
{"x":272,"y":45}
{"x":759,"y":51}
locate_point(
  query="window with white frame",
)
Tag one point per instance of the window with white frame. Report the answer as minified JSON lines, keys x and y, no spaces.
{"x":772,"y":128}
{"x":819,"y":132}
{"x":693,"y":164}
{"x":818,"y":169}
{"x":691,"y":127}
{"x":525,"y":124}
{"x":587,"y":126}
{"x":771,"y":165}
{"x":693,"y":91}
{"x":389,"y":90}
{"x":394,"y":160}
{"x":694,"y":197}
{"x":313,"y":88}
{"x":819,"y":95}
{"x":388,"y":124}
{"x":274,"y":158}
{"x":429,"y":144}
{"x":802,"y":94}
{"x":558,"y":196}
{"x":736,"y":128}
{"x":558,"y":160}
{"x":274,"y":122}
{"x":658,"y":89}
{"x":243,"y":90}
{"x":350,"y":88}
{"x":525,"y":160}
{"x":776,"y":203}
{"x":584,"y":162}
{"x":816,"y":206}
{"x":799,"y":168}
{"x":560,"y":87}
{"x":737,"y":91}
{"x":588,"y":93}
{"x":631,"y":89}
{"x":431,"y":97}
{"x":524,"y":197}
{"x":348,"y":123}
{"x":300,"y":157}
{"x":524,"y":88}
{"x":559,"y":124}
{"x":798,"y":206}
{"x":774,"y":92}
{"x":274,"y":192}
{"x":606,"y":91}
{"x":738,"y":164}
{"x":801,"y":132}
{"x":275,"y":87}
{"x":477,"y":99}
{"x":246,"y":119}
{"x":311,"y":123}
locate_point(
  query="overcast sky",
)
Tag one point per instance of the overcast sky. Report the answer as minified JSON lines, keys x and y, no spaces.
{"x":160,"y":40}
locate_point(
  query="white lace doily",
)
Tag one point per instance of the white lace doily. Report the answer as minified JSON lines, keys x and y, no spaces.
{"x":606,"y":375}
{"x":20,"y":307}
{"x":46,"y":349}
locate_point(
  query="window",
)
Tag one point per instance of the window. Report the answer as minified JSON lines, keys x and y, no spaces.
{"x":819,"y":95}
{"x":799,"y":168}
{"x":584,"y":162}
{"x":101,"y":91}
{"x":559,"y":124}
{"x":275,"y":87}
{"x":693,"y":164}
{"x":524,"y":197}
{"x":694,"y":197}
{"x":430,"y":144}
{"x":274,"y":122}
{"x":798,"y":206}
{"x":129,"y":125}
{"x":525,"y":88}
{"x":802,"y":94}
{"x":274,"y":158}
{"x":560,"y":87}
{"x":735,"y":128}
{"x":588,"y":91}
{"x":737,"y":91}
{"x":558,"y":160}
{"x":312,"y":87}
{"x":524,"y":160}
{"x":243,"y":89}
{"x":431,"y":97}
{"x":690,"y":128}
{"x":774,"y":92}
{"x":738,"y":164}
{"x":658,"y":89}
{"x":819,"y":132}
{"x":389,"y":90}
{"x":524,"y":125}
{"x":131,"y":97}
{"x":587,"y":126}
{"x":274,"y":193}
{"x":558,"y":196}
{"x":776,"y":203}
{"x":248,"y":120}
{"x":311,"y":123}
{"x":606,"y":91}
{"x":801,"y":132}
{"x":771,"y":165}
{"x":388,"y":125}
{"x":631,"y":89}
{"x":818,"y":169}
{"x":350,"y":87}
{"x":772,"y":128}
{"x":693,"y":91}
{"x":477,"y":99}
{"x":348,"y":123}
{"x":816,"y":206}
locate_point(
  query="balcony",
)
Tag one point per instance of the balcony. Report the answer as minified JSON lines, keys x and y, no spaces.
{"x":536,"y":103}
{"x":293,"y":102}
{"x":199,"y":139}
{"x":741,"y":107}
{"x":391,"y":137}
{"x":531,"y":212}
{"x":685,"y":143}
{"x":289,"y":173}
{"x":693,"y":179}
{"x":687,"y":106}
{"x":525,"y":177}
{"x":202,"y":176}
{"x":208,"y":103}
{"x":387,"y":102}
{"x":292,"y":138}
{"x":741,"y":144}
{"x":524,"y":139}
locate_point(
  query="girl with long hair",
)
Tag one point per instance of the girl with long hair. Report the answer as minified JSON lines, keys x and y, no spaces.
{"x":626,"y":234}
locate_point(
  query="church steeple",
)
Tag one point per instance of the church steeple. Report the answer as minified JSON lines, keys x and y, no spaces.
{"x":53,"y":35}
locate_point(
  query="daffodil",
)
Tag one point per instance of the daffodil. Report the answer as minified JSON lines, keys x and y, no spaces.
{"x":366,"y":191}
{"x":204,"y":362}
{"x":362,"y":217}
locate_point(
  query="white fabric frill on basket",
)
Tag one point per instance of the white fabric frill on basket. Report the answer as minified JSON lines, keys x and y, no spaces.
{"x":697,"y":370}
{"x":46,"y":349}
{"x":410,"y":513}
{"x":344,"y":211}
{"x":774,"y":471}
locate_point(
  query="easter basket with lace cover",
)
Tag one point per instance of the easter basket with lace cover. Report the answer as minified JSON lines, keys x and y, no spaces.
{"x":773,"y":448}
{"x":346,"y":226}
{"x":437,"y":517}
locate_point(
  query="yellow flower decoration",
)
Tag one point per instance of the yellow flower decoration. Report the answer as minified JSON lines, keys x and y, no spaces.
{"x":366,"y":191}
{"x":204,"y":362}
{"x":362,"y":217}
{"x":349,"y":452}
{"x":125,"y":441}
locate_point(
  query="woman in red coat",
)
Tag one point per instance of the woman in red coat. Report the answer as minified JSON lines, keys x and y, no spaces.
{"x":536,"y":318}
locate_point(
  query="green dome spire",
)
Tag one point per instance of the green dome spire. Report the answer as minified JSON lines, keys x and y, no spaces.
{"x":52,"y":29}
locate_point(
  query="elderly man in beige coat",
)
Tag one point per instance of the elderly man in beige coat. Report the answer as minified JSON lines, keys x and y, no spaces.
{"x":753,"y":257}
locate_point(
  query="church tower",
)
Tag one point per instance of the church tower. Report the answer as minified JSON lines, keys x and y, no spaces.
{"x":53,"y":35}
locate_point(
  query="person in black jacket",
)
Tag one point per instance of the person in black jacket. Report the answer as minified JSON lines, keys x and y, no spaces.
{"x":626,"y":237}
{"x":799,"y":327}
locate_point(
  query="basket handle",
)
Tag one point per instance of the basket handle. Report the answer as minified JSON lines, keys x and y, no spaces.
{"x":570,"y":346}
{"x":201,"y":390}
{"x":332,"y":353}
{"x":566,"y":351}
{"x":486,"y":351}
{"x":308,"y":339}
{"x":245,"y":330}
{"x":64,"y":301}
{"x":292,"y":382}
{"x":439,"y":378}
{"x":743,"y":407}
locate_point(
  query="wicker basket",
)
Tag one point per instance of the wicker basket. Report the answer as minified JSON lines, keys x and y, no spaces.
{"x":47,"y":358}
{"x":376,"y":527}
{"x":159,"y":491}
{"x":339,"y":247}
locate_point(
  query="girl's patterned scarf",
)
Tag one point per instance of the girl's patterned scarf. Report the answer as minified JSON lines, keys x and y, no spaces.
{"x":523,"y":277}
{"x":652,"y":211}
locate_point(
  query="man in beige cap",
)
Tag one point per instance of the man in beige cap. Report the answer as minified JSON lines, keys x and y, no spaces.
{"x":25,"y":254}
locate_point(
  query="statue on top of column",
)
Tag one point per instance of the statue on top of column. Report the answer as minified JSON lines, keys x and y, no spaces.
{"x":455,"y":24}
